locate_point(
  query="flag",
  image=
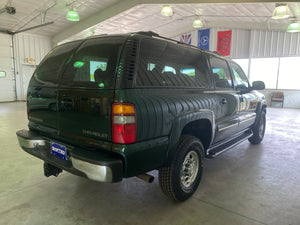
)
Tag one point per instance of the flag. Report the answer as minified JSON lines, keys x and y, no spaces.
{"x":203,"y":39}
{"x":186,"y":38}
{"x":224,"y":41}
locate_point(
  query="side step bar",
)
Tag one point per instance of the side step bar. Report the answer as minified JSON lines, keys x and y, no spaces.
{"x":225,"y":146}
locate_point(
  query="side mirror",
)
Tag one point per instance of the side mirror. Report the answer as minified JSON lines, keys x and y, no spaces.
{"x":258,"y":85}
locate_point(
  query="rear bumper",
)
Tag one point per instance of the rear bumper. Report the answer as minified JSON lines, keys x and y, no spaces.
{"x":95,"y":165}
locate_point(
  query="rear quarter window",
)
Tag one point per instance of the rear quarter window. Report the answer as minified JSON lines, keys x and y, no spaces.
{"x":94,"y":64}
{"x":49,"y":69}
{"x":166,"y":64}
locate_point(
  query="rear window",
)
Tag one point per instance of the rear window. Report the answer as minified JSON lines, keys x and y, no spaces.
{"x":51,"y":66}
{"x":94,"y":64}
{"x":163,"y":63}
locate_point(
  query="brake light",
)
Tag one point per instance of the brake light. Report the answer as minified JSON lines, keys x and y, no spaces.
{"x":123,"y":123}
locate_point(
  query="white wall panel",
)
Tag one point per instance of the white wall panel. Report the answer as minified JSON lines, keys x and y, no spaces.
{"x":7,"y":84}
{"x":28,"y":46}
{"x":291,"y":98}
{"x":275,"y":44}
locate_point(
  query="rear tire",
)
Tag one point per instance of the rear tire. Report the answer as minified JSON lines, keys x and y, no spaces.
{"x":259,"y":130}
{"x":180,"y":180}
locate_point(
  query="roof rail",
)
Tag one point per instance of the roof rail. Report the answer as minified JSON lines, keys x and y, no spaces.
{"x":217,"y":53}
{"x":148,"y":33}
{"x":153,"y":34}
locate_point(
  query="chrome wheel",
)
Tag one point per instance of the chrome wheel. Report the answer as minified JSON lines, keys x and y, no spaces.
{"x":189,"y":169}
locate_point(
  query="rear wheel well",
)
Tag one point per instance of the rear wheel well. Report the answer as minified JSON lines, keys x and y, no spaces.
{"x":200,"y":129}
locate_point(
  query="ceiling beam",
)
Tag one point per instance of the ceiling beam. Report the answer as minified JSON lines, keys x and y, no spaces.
{"x":94,"y":19}
{"x":124,"y":5}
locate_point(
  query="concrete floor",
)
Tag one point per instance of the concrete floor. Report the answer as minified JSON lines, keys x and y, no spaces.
{"x":246,"y":185}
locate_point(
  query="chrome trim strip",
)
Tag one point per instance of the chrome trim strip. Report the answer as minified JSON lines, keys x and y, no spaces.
{"x":220,"y":91}
{"x":27,"y":143}
{"x":93,"y":171}
{"x":224,"y":128}
{"x":247,"y":119}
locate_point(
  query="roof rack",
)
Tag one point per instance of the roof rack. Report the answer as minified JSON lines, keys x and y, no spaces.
{"x":148,"y":33}
{"x":153,"y":34}
{"x":217,"y":53}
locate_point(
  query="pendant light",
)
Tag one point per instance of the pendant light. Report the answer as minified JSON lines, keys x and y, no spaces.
{"x":281,"y":11}
{"x":166,"y":11}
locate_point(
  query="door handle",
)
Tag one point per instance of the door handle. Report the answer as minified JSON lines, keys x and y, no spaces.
{"x":223,"y":101}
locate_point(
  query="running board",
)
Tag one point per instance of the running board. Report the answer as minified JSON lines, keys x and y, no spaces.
{"x":223,"y":147}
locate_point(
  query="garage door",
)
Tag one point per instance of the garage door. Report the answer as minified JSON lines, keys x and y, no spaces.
{"x":7,"y":89}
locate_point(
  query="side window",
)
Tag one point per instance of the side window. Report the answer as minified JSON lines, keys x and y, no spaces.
{"x":239,"y":77}
{"x":220,"y":73}
{"x":170,"y":65}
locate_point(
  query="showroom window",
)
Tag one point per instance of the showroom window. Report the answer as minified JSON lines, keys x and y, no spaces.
{"x":289,"y":73}
{"x":2,"y":74}
{"x":266,"y":70}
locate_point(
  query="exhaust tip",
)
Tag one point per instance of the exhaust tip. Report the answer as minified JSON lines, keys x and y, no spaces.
{"x":146,"y":177}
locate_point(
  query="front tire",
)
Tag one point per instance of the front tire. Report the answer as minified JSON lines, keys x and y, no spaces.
{"x":259,"y":130}
{"x":180,"y":180}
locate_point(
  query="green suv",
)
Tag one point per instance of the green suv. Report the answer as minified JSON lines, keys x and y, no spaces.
{"x":118,"y":106}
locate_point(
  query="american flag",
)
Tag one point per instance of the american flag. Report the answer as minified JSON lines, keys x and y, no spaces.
{"x":186,"y":38}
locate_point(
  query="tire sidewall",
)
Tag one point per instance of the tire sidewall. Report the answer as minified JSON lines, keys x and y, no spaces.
{"x":185,"y":147}
{"x":257,"y":138}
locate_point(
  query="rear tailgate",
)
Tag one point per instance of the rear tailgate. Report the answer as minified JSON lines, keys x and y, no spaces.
{"x":86,"y":92}
{"x":43,"y":89}
{"x":84,"y":115}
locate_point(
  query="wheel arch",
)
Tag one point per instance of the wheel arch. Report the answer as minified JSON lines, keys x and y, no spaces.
{"x":200,"y":124}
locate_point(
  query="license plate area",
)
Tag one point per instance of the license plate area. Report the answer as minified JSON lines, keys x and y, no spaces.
{"x":58,"y":150}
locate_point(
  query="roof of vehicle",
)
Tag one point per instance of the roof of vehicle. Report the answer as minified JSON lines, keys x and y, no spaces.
{"x":153,"y":35}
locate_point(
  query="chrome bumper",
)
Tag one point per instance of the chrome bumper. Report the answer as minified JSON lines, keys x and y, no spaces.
{"x":95,"y":165}
{"x":93,"y":171}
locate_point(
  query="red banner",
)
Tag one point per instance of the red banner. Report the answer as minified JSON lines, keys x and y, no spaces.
{"x":224,"y":41}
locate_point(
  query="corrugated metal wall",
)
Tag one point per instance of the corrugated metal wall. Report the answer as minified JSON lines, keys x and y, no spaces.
{"x":275,"y":44}
{"x":7,"y":83}
{"x":264,"y":44}
{"x":28,"y":46}
{"x":240,"y":41}
{"x":260,"y":44}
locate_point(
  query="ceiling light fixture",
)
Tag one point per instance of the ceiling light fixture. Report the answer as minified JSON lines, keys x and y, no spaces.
{"x":166,"y":11}
{"x":197,"y":23}
{"x":281,"y":11}
{"x":72,"y":15}
{"x":294,"y":26}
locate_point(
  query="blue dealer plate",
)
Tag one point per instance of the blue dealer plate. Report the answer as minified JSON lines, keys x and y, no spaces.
{"x":58,"y":150}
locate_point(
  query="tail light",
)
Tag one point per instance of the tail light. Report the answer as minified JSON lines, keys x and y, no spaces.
{"x":123,"y":123}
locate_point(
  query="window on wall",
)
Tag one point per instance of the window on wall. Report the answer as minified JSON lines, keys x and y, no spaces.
{"x":2,"y":74}
{"x":289,"y":76}
{"x":266,"y":70}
